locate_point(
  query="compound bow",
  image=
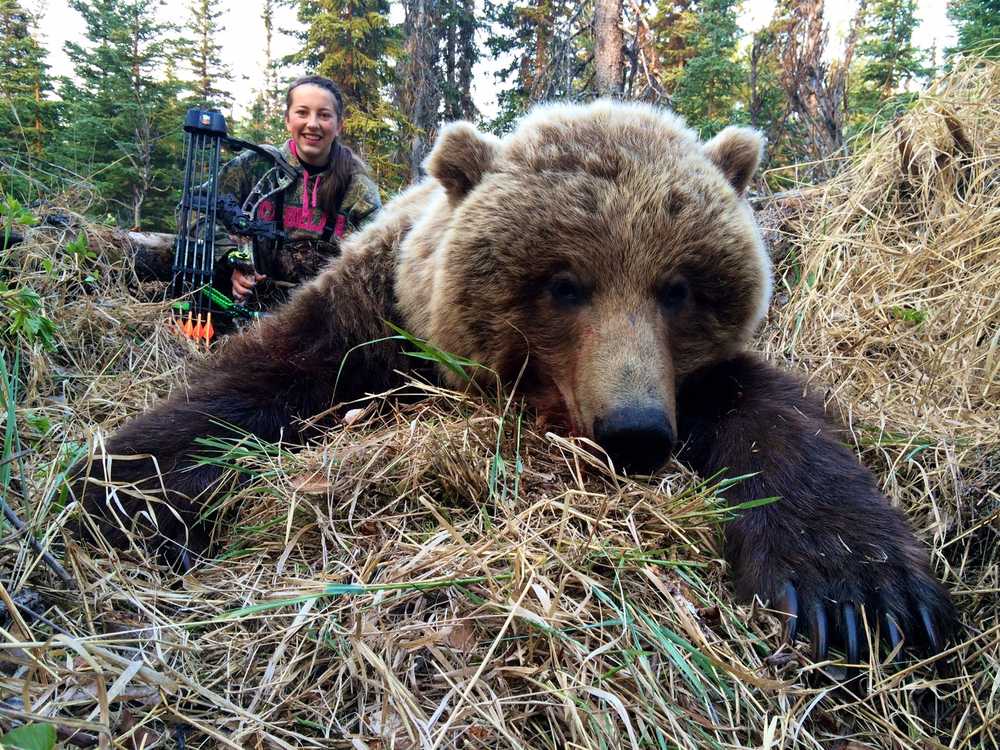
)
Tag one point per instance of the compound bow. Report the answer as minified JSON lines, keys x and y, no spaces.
{"x":201,"y":207}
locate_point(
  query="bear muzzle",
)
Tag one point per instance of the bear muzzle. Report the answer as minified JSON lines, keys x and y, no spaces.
{"x":638,"y":439}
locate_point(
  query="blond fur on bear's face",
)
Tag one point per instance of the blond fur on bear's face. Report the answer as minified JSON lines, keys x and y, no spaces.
{"x":601,"y":248}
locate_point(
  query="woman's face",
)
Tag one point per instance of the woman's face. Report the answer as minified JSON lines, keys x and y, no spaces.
{"x":312,"y":121}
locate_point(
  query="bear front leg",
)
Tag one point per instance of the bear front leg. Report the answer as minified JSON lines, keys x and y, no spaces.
{"x":831,"y":543}
{"x":148,"y":483}
{"x":325,"y":346}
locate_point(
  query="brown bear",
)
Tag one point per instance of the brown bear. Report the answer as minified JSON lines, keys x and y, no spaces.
{"x":606,"y":260}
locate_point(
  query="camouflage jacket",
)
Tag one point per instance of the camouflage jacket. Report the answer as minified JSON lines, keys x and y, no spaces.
{"x":313,"y":237}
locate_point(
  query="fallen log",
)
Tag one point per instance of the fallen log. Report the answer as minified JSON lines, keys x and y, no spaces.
{"x":153,"y":253}
{"x":152,"y":241}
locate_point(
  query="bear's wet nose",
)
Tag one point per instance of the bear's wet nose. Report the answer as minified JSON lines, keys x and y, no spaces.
{"x":638,"y":439}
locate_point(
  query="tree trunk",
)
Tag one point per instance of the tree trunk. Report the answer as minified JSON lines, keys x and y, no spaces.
{"x":467,"y":56}
{"x":38,"y":144}
{"x":419,"y":80}
{"x":608,"y":44}
{"x":450,"y":47}
{"x":647,"y":57}
{"x":270,"y":112}
{"x":543,"y":39}
{"x":757,"y":51}
{"x":816,"y":90}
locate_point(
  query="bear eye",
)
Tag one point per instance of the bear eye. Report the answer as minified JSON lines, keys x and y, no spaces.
{"x":566,"y":290}
{"x":673,"y":295}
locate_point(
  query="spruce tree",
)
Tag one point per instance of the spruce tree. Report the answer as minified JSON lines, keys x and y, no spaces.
{"x":708,"y":88}
{"x":795,"y":92}
{"x":767,"y":106}
{"x":888,"y":57}
{"x":551,"y":51}
{"x":205,"y":56}
{"x":514,"y":27}
{"x":887,"y":63}
{"x":460,"y":55}
{"x":433,"y":76}
{"x":673,"y":26}
{"x":354,"y":43}
{"x":28,"y":115}
{"x":978,"y":25}
{"x":123,"y":120}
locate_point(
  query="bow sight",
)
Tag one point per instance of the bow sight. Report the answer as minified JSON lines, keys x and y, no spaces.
{"x":201,"y":208}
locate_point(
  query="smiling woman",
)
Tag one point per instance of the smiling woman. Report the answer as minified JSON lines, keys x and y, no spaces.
{"x":332,"y":196}
{"x":313,"y":117}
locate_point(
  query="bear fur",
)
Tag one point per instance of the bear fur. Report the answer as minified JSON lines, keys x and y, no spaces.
{"x":605,"y":260}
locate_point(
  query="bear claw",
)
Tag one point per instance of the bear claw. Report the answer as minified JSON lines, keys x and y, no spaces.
{"x":850,"y":630}
{"x":928,"y":621}
{"x":790,"y":606}
{"x":851,"y":633}
{"x":821,"y":644}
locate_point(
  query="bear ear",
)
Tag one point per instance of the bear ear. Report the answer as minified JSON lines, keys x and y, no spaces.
{"x":460,"y":157}
{"x":737,"y":152}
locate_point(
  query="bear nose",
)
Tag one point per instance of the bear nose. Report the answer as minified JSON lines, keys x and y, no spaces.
{"x":638,"y":439}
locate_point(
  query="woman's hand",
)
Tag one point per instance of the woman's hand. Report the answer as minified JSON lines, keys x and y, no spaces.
{"x":243,"y":283}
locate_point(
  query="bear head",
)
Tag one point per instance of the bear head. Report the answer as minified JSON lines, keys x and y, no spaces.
{"x":596,"y":257}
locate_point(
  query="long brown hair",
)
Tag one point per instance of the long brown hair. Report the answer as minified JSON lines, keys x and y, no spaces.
{"x":344,"y":163}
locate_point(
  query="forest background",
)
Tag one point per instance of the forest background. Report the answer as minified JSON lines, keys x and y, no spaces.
{"x":111,"y":133}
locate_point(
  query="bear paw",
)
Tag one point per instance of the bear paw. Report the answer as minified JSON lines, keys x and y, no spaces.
{"x":830,"y":586}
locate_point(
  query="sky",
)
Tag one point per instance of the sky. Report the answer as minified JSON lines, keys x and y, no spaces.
{"x":243,"y":37}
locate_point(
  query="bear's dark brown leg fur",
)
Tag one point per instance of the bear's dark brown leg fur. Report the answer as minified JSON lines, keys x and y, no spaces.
{"x":832,"y":543}
{"x":262,"y":382}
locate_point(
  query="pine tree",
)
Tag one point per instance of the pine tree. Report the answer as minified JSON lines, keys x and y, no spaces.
{"x":887,"y":54}
{"x":459,"y":19}
{"x":273,"y":111}
{"x":28,"y":115}
{"x":887,"y":63}
{"x":551,"y":49}
{"x":354,"y":43}
{"x":123,"y":122}
{"x":513,"y":30}
{"x":673,"y":28}
{"x":433,"y":77}
{"x":786,"y":79}
{"x":205,"y":56}
{"x":708,"y":88}
{"x":259,"y":126}
{"x":978,"y":25}
{"x":767,"y":108}
{"x":809,"y":124}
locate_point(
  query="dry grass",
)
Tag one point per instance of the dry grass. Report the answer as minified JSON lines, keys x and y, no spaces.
{"x":439,"y":575}
{"x":893,"y":288}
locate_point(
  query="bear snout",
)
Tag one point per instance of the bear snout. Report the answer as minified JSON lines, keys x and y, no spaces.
{"x":637,"y":438}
